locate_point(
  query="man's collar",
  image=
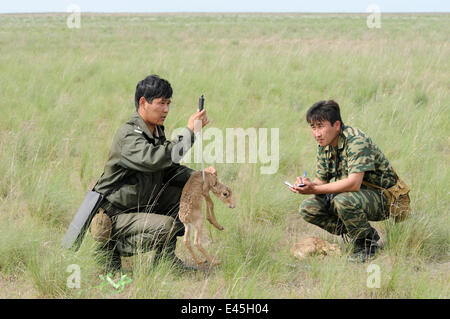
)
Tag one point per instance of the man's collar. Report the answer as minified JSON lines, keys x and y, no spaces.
{"x":341,"y":139}
{"x":141,"y":125}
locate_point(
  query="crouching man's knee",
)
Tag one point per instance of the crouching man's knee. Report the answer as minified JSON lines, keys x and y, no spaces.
{"x":308,"y":209}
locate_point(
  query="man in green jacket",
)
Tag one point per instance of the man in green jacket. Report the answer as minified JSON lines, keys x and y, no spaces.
{"x":142,"y":180}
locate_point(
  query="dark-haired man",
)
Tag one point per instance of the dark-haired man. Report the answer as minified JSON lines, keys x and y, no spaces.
{"x":142,"y":181}
{"x":346,"y":157}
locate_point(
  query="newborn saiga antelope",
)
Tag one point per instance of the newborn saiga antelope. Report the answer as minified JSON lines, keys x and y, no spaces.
{"x":190,"y":212}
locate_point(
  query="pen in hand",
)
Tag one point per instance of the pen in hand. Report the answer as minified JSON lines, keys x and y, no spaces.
{"x":304,"y":176}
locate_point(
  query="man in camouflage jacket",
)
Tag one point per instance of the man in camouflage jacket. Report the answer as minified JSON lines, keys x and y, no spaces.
{"x":142,"y":181}
{"x":346,"y":157}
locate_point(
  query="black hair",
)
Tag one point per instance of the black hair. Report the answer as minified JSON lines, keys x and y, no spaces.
{"x":152,"y":87}
{"x":324,"y":110}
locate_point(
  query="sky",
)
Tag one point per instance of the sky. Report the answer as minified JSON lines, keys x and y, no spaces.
{"x":25,"y":6}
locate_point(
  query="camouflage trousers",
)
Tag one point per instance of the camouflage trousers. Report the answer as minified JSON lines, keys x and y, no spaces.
{"x":346,"y":213}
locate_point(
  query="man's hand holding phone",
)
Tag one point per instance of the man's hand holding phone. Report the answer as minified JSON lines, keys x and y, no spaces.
{"x":302,"y":185}
{"x":200,"y":115}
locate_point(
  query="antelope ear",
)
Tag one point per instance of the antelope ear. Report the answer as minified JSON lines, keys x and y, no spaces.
{"x":209,"y":182}
{"x":212,"y":180}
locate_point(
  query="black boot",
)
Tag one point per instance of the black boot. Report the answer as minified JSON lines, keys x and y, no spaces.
{"x":365,"y":248}
{"x":108,"y":256}
{"x":372,"y":243}
{"x":114,"y":263}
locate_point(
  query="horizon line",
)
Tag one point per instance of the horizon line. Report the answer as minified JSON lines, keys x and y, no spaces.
{"x":206,"y":12}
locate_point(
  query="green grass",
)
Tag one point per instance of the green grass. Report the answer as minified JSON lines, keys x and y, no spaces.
{"x":64,"y":92}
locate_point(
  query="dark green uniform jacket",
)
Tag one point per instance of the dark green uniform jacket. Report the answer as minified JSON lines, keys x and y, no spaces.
{"x":139,"y":164}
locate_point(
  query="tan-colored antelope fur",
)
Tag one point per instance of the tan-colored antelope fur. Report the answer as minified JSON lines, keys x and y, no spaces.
{"x":191,"y":214}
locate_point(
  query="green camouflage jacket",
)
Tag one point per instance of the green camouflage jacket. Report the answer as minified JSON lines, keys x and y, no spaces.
{"x":355,"y":153}
{"x":140,"y":164}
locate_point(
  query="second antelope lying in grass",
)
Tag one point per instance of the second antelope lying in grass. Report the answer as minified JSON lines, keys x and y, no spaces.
{"x":314,"y":246}
{"x":190,"y":212}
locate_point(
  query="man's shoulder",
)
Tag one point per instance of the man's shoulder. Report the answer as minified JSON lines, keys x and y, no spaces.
{"x":360,"y":144}
{"x":351,"y":132}
{"x":133,"y":123}
{"x":124,"y":130}
{"x":355,"y":136}
{"x":130,"y":126}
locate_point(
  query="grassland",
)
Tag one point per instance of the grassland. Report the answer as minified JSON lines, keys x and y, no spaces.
{"x":64,"y":92}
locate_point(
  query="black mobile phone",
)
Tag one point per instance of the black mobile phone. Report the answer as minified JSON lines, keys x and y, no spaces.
{"x":201,"y":102}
